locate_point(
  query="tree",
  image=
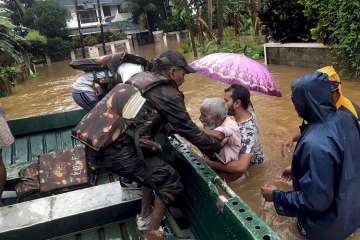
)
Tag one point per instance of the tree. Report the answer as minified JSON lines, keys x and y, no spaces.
{"x":285,"y":21}
{"x":240,"y":13}
{"x":210,"y":14}
{"x":143,"y":9}
{"x":12,"y":44}
{"x":12,"y":50}
{"x":187,"y":9}
{"x":338,"y":25}
{"x":220,"y":21}
{"x":48,"y":17}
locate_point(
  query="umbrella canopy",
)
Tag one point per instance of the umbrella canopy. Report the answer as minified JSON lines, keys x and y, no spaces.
{"x":234,"y":68}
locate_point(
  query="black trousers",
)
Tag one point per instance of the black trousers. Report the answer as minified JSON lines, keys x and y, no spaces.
{"x":120,"y":158}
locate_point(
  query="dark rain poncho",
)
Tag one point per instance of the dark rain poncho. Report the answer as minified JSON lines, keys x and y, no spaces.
{"x":325,"y":166}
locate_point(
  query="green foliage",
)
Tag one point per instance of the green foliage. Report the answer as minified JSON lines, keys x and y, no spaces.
{"x":90,"y":40}
{"x":9,"y":74}
{"x":240,"y":11}
{"x":285,"y":21}
{"x":12,"y":44}
{"x":338,"y":25}
{"x":48,"y":17}
{"x":231,"y":43}
{"x":35,"y":36}
{"x":58,"y":49}
{"x":172,"y":24}
{"x":185,"y":47}
{"x":236,"y":47}
{"x":93,"y":39}
{"x":114,"y":36}
{"x":33,"y":76}
{"x":146,"y":12}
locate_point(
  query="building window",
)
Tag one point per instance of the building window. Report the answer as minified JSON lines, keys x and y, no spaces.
{"x":106,"y":11}
{"x":87,"y":15}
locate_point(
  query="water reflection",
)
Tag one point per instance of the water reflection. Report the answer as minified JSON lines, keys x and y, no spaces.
{"x":276,"y":116}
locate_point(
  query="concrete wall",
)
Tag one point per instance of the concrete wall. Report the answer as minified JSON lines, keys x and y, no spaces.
{"x":297,"y":54}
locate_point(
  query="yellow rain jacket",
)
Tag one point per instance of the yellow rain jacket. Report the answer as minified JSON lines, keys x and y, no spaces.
{"x":343,"y":102}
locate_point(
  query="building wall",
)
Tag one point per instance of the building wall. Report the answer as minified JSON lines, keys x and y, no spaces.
{"x":287,"y":54}
{"x":72,"y":23}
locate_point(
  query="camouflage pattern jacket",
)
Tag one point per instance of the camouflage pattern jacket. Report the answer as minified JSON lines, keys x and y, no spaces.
{"x":169,"y":105}
{"x":164,"y":105}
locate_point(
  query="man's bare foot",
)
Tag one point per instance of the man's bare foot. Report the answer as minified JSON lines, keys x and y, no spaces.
{"x":153,"y":235}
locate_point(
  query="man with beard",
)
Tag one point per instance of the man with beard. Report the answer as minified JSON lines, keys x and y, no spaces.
{"x":238,"y":102}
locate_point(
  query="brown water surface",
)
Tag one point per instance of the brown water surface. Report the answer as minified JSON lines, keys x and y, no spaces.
{"x":277,"y":120}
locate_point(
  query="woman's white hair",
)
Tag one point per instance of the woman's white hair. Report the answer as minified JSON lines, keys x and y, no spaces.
{"x":216,"y":106}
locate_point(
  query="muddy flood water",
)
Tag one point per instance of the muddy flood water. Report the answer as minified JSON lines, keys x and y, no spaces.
{"x":277,"y":120}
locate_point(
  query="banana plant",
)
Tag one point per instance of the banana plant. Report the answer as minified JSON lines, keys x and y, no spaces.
{"x":12,"y":45}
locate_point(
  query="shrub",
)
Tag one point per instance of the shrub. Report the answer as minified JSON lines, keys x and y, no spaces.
{"x":338,"y":24}
{"x":10,"y":74}
{"x":35,"y":36}
{"x":172,"y":24}
{"x":90,"y":40}
{"x":235,"y":47}
{"x":7,"y":79}
{"x":112,"y":36}
{"x":185,"y":47}
{"x":284,"y":21}
{"x":58,"y":49}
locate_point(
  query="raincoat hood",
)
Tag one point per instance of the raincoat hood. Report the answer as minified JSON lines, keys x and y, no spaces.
{"x":311,"y":95}
{"x":326,"y":165}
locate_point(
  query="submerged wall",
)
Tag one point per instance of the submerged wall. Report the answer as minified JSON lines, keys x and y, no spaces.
{"x":297,"y":54}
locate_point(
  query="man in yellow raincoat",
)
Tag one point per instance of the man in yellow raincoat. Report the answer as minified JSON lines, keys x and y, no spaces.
{"x":342,"y":102}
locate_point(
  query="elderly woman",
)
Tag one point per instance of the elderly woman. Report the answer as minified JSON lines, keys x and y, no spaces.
{"x":6,"y":139}
{"x":217,"y":124}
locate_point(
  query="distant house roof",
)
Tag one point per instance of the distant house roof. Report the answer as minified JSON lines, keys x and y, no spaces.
{"x":81,"y":2}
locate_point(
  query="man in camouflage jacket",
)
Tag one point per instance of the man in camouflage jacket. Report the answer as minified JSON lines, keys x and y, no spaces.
{"x":164,"y":105}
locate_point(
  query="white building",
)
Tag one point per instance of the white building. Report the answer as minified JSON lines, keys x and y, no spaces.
{"x":111,"y":11}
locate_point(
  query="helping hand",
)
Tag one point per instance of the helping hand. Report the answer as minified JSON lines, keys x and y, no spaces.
{"x":286,"y":147}
{"x":267,"y":192}
{"x":286,"y":174}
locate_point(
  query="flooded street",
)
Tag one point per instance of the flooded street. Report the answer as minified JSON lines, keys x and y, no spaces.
{"x":277,"y":120}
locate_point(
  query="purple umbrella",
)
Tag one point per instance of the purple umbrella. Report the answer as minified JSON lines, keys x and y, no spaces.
{"x":234,"y":68}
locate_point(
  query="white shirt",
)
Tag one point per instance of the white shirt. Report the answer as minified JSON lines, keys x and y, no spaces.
{"x":85,"y":81}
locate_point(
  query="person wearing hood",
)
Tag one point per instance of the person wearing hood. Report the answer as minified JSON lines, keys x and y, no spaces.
{"x":341,"y":103}
{"x":325,"y":165}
